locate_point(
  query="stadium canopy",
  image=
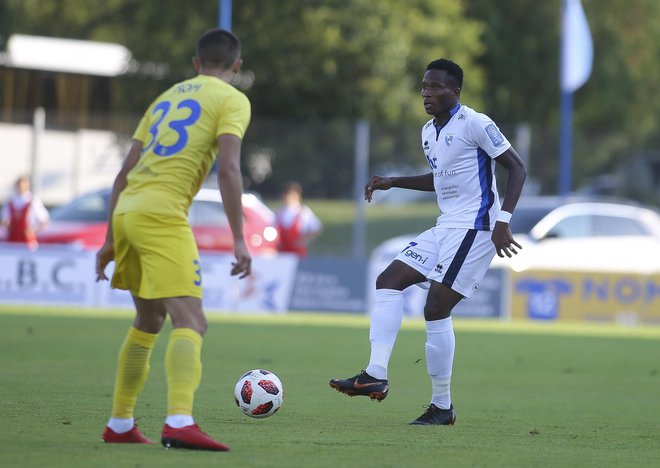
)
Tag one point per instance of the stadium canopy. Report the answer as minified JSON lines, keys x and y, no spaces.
{"x":66,"y":55}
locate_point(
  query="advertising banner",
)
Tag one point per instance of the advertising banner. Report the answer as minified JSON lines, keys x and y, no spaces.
{"x":53,"y":276}
{"x":586,"y":296}
{"x":267,"y":289}
{"x":61,"y":276}
{"x":331,"y":285}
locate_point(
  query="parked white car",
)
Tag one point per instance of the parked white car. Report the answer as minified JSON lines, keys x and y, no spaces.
{"x":573,"y":234}
{"x":588,"y":235}
{"x":563,"y":234}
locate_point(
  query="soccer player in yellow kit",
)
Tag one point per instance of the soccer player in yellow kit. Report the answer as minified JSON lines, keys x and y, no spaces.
{"x":150,"y":239}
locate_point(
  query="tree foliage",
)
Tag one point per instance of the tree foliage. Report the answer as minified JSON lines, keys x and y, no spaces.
{"x":328,"y":60}
{"x":615,"y":112}
{"x":316,"y":62}
{"x":351,"y":58}
{"x":310,"y":59}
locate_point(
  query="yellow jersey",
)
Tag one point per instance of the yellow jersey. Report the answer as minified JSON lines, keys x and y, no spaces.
{"x":179,"y":134}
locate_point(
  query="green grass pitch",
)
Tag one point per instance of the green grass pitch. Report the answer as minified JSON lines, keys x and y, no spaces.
{"x":545,"y":395}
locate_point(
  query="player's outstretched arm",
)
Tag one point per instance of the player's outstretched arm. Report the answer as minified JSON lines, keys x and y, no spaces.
{"x":230,"y":181}
{"x":376,"y":183}
{"x":423,"y":183}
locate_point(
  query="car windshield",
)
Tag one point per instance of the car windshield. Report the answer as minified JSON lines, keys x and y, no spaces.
{"x":619,"y":226}
{"x":526,"y":217}
{"x":207,"y":213}
{"x":93,"y":207}
{"x":88,"y":208}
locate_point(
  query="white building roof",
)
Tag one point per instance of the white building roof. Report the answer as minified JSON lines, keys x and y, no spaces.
{"x":66,"y":55}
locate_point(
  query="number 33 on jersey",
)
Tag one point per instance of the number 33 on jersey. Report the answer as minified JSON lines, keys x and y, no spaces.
{"x":179,"y":133}
{"x":178,"y":126}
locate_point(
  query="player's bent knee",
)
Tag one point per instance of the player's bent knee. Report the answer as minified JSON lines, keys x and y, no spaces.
{"x":384,"y":281}
{"x":198,"y":327}
{"x":186,"y":312}
{"x":431,"y":314}
{"x":192,"y":321}
{"x":202,"y":328}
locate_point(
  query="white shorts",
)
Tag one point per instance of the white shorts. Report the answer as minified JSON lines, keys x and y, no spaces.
{"x":457,"y":258}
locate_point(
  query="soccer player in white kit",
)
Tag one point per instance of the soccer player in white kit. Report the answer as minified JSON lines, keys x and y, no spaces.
{"x":461,"y":147}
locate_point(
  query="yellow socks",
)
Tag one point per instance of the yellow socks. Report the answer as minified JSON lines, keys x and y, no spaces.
{"x":132,"y":371}
{"x":182,"y":363}
{"x":184,"y":370}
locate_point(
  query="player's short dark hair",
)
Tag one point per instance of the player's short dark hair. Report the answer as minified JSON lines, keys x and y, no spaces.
{"x":218,"y":48}
{"x":452,"y":69}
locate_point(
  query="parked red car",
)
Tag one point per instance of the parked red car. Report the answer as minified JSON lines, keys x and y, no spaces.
{"x":83,"y":222}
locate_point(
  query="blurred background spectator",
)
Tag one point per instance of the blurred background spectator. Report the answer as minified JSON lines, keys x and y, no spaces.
{"x":297,"y":224}
{"x":24,"y":214}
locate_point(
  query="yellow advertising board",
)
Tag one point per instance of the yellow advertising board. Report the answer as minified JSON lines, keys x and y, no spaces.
{"x":585,"y":296}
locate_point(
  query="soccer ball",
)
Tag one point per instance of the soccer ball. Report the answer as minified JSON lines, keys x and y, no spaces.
{"x":259,"y":393}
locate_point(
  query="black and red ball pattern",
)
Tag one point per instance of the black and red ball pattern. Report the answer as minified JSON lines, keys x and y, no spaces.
{"x":246,"y":392}
{"x":268,"y":385}
{"x":263,"y":408}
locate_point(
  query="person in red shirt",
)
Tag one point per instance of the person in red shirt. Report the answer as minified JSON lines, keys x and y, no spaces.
{"x":297,"y":225}
{"x":24,"y":215}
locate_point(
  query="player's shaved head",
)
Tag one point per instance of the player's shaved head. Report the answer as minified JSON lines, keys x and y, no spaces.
{"x":218,"y":48}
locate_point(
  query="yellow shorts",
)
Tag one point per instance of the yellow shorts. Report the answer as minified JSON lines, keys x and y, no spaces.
{"x":155,"y":256}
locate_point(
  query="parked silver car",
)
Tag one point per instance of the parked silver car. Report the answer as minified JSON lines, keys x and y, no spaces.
{"x":573,"y":234}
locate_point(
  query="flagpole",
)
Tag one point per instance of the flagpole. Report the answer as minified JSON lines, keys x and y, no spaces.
{"x":224,"y":14}
{"x":575,"y":60}
{"x":565,"y":115}
{"x":565,"y":142}
{"x":224,"y":22}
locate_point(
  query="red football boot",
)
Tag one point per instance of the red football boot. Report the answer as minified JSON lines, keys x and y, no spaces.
{"x":190,"y":437}
{"x":134,"y":436}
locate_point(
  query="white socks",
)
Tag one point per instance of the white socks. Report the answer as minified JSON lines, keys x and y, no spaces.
{"x":386,"y":321}
{"x":177,"y":421}
{"x":440,"y":345}
{"x":121,"y":425}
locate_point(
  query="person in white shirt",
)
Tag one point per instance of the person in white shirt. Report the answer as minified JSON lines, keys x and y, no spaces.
{"x":461,"y":147}
{"x":24,"y":215}
{"x":297,"y":225}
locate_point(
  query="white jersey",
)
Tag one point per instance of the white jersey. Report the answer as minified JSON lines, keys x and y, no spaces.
{"x":461,"y":155}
